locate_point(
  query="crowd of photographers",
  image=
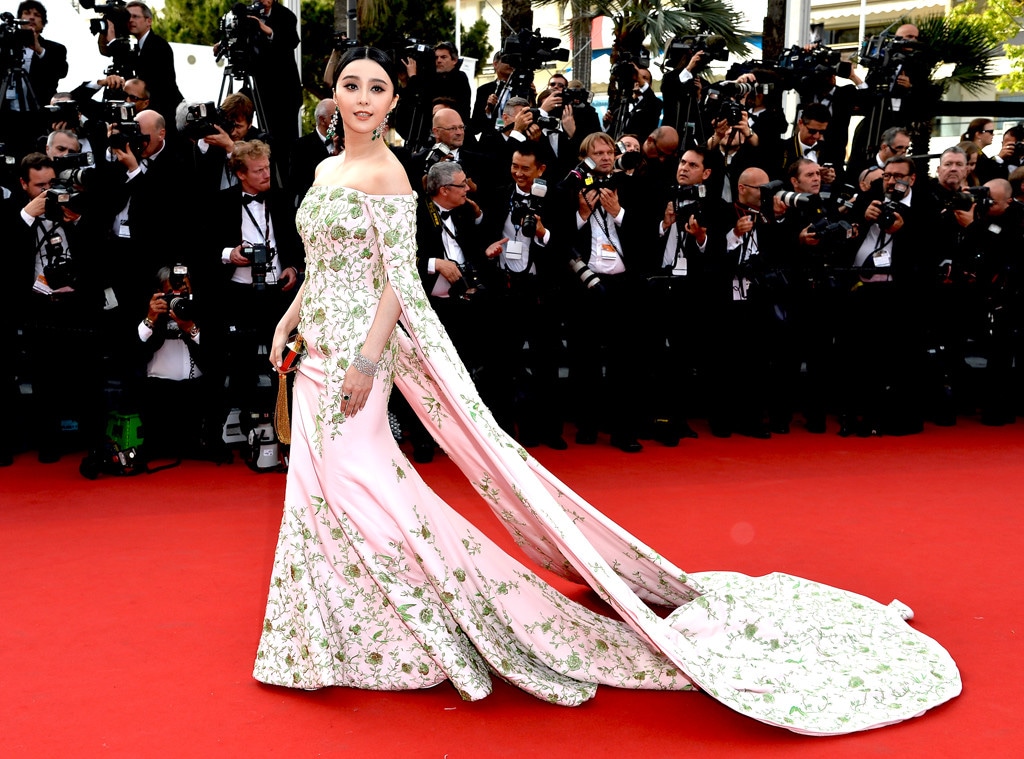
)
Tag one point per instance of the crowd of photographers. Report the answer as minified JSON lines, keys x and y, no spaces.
{"x":688,"y":255}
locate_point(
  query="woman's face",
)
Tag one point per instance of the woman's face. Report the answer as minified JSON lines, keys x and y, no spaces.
{"x":984,"y":137}
{"x":364,"y":95}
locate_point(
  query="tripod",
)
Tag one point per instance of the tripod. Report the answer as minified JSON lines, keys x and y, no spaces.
{"x":17,"y":115}
{"x":227,"y":87}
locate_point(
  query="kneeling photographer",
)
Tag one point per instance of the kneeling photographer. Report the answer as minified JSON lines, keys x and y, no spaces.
{"x":172,"y":398}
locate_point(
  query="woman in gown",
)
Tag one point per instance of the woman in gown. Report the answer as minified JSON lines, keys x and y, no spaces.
{"x":379,"y":584}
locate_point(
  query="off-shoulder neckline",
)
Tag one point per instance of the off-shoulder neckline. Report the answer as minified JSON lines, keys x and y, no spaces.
{"x":411,"y":195}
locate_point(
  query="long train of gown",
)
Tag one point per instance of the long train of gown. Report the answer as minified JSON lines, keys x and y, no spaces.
{"x":377,"y":583}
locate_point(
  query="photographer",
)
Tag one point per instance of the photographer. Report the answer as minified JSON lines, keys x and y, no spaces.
{"x":807,"y":141}
{"x":683,"y":87}
{"x":529,"y":307}
{"x":33,"y":77}
{"x":491,"y":98}
{"x":229,"y":124}
{"x":275,"y":74}
{"x":154,"y":60}
{"x":145,"y":197}
{"x":459,"y":282}
{"x":894,"y":141}
{"x":1011,"y":153}
{"x":449,"y":132}
{"x":55,"y":266}
{"x":879,"y":341}
{"x":676,"y":295}
{"x":640,"y":111}
{"x":423,"y":88}
{"x":251,"y":232}
{"x":584,"y":115}
{"x":172,"y":396}
{"x":735,"y":148}
{"x":603,"y":227}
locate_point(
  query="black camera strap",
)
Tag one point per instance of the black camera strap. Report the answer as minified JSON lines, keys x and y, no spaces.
{"x":602,"y":220}
{"x":38,"y":227}
{"x":266,"y":224}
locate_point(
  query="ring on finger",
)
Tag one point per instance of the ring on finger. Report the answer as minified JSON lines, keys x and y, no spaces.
{"x":346,"y":397}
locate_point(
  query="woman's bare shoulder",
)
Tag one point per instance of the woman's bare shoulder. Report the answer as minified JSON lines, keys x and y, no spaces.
{"x":388,"y":177}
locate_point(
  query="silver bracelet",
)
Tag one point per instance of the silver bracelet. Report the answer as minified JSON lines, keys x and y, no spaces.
{"x":364,"y":365}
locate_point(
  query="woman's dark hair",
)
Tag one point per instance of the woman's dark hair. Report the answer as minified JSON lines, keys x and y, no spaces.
{"x":973,"y":128}
{"x":370,"y":54}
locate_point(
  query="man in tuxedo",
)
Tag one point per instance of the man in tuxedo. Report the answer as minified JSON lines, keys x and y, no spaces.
{"x":530,"y":270}
{"x":154,"y":61}
{"x":879,"y":340}
{"x":275,"y":74}
{"x":458,"y":280}
{"x":893,"y":142}
{"x":807,"y":141}
{"x":447,"y":81}
{"x":54,"y":265}
{"x":44,"y":63}
{"x":310,"y":149}
{"x":212,"y":154}
{"x":252,"y":230}
{"x":639,"y":113}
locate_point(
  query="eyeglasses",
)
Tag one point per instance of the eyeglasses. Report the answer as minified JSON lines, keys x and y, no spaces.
{"x":815,"y":131}
{"x":887,"y":176}
{"x":898,"y":148}
{"x":457,"y":128}
{"x":460,"y":185}
{"x":986,"y":131}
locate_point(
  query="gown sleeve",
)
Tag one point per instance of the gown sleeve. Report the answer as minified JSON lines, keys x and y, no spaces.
{"x":780,"y":649}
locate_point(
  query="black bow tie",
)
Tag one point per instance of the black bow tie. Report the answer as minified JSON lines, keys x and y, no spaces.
{"x":445,"y":214}
{"x":259,"y":198}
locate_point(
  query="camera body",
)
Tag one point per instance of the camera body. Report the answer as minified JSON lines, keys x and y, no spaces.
{"x":544,"y":121}
{"x":66,"y":111}
{"x":440,"y":152}
{"x":202,"y":120}
{"x":469,"y":285}
{"x":688,"y":200}
{"x":685,"y":46}
{"x":526,"y":52}
{"x":260,"y":258}
{"x":75,"y":171}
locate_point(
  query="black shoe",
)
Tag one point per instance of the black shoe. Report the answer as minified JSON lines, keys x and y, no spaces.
{"x":48,"y":456}
{"x":665,"y":433}
{"x":846,"y":426}
{"x":816,"y":424}
{"x":686,"y":430}
{"x":423,"y":453}
{"x":758,"y":431}
{"x":556,"y":443}
{"x":720,"y":430}
{"x":780,"y":428}
{"x":627,"y":444}
{"x":585,"y":437}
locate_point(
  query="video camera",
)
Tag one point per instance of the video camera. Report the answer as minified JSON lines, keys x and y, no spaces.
{"x":891,"y":204}
{"x":688,"y":45}
{"x":14,"y":38}
{"x":440,"y":152}
{"x":884,"y":56}
{"x":65,"y":111}
{"x":623,"y":68}
{"x":239,"y":37}
{"x":718,"y":104}
{"x":526,"y":52}
{"x":810,"y":71}
{"x":116,"y":14}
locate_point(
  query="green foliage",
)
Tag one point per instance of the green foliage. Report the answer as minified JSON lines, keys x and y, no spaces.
{"x":317,"y":44}
{"x":475,"y":44}
{"x":966,"y":43}
{"x":636,"y":20}
{"x":429,"y":21}
{"x":192,"y":21}
{"x":1002,"y":20}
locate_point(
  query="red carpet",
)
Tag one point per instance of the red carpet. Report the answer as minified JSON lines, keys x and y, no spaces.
{"x":131,"y":607}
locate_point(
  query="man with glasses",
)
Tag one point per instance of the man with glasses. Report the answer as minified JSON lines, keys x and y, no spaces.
{"x":880,"y":341}
{"x":808,"y":141}
{"x":154,"y":61}
{"x":893,"y":142}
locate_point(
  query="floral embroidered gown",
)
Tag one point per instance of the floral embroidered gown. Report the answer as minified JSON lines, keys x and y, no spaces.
{"x":379,"y":584}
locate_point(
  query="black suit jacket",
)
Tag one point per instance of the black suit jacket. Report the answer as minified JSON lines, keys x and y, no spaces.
{"x":46,"y":71}
{"x":496,"y":204}
{"x":155,"y":66}
{"x":480,"y":121}
{"x":429,"y":242}
{"x":225,"y":229}
{"x":307,"y":153}
{"x":277,"y":77}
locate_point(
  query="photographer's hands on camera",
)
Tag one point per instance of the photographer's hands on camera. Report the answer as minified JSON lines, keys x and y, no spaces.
{"x":692,"y":227}
{"x":158,"y":307}
{"x":608,"y":198}
{"x":288,"y":279}
{"x":874,"y":211}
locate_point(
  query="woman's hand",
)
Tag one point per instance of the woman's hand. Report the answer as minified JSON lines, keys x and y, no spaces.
{"x":354,"y":391}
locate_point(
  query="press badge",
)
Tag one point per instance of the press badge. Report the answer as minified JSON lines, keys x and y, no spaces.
{"x":608,"y":251}
{"x":514,"y":250}
{"x":882,"y":259}
{"x":679,"y":270}
{"x":123,"y":230}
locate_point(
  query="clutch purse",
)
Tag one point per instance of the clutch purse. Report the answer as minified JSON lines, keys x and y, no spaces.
{"x":293,"y":352}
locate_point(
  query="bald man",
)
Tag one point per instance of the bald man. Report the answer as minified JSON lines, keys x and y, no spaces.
{"x":310,"y":149}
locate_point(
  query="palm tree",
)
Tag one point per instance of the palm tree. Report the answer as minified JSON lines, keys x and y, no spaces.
{"x":639,"y":20}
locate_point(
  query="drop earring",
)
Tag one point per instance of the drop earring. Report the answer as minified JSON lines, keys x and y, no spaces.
{"x":381,"y":128}
{"x":332,"y":128}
